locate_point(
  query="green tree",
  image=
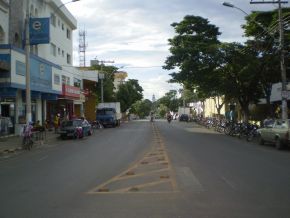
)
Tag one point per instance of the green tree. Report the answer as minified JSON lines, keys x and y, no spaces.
{"x":129,"y":93}
{"x":108,"y":83}
{"x":266,"y":44}
{"x":141,"y":108}
{"x":170,"y":100}
{"x":239,"y":77}
{"x":193,"y":52}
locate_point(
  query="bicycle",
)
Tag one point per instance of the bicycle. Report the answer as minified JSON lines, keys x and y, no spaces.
{"x":97,"y":125}
{"x":27,"y":141}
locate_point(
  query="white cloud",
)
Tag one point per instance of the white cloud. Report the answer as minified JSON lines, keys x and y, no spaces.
{"x":135,"y":33}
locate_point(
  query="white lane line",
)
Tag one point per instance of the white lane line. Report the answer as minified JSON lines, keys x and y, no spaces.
{"x":229,"y":183}
{"x":43,"y":158}
{"x":187,"y":180}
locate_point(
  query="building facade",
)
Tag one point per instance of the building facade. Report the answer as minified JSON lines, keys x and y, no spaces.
{"x":56,"y":86}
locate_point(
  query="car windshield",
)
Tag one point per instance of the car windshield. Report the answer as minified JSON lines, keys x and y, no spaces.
{"x":71,"y":123}
{"x":105,"y":111}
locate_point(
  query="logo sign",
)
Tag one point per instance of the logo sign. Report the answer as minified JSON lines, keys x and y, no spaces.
{"x":39,"y":31}
{"x":36,"y":25}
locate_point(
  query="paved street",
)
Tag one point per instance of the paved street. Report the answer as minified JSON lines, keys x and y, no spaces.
{"x":144,"y":169}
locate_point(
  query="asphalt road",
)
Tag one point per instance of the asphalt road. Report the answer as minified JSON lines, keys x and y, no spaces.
{"x":148,"y":170}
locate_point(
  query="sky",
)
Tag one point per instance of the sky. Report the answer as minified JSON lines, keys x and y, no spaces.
{"x":134,"y":33}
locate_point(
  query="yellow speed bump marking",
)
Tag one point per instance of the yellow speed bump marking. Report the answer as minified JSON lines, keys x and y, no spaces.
{"x":154,"y":168}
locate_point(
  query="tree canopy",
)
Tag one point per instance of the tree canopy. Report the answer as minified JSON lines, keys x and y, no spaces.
{"x":129,"y":93}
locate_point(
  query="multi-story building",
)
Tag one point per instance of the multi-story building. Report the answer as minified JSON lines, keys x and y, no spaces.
{"x":56,"y":86}
{"x":4,"y":21}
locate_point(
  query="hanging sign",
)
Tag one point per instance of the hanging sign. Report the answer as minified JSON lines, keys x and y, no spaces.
{"x":39,"y":31}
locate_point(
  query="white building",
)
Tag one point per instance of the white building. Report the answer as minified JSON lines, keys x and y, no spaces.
{"x":56,"y":86}
{"x":4,"y":21}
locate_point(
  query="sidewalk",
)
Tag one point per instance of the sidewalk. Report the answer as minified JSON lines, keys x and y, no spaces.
{"x":12,"y":143}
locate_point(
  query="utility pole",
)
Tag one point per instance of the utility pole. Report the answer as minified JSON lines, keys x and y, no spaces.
{"x":27,"y":69}
{"x":102,"y":77}
{"x":284,"y":92}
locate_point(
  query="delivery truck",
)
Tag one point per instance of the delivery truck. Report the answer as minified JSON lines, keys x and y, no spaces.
{"x":109,"y":114}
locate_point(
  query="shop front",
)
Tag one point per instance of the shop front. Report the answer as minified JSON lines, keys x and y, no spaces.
{"x":65,"y":103}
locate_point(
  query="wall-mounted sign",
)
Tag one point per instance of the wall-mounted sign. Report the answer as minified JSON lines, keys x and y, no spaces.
{"x":39,"y":31}
{"x":71,"y":91}
{"x":5,"y":61}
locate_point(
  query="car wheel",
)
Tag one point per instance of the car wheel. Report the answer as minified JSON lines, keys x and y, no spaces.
{"x":261,"y":140}
{"x":278,"y":144}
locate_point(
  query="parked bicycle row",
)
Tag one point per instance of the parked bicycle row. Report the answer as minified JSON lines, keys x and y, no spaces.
{"x":239,"y":129}
{"x":273,"y":131}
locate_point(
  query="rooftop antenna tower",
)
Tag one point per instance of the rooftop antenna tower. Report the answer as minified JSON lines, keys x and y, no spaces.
{"x":82,"y":48}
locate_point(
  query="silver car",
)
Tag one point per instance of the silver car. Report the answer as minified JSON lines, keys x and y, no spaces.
{"x":276,"y":132}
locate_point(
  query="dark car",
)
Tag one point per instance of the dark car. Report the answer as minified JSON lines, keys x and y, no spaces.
{"x":76,"y":128}
{"x":184,"y":117}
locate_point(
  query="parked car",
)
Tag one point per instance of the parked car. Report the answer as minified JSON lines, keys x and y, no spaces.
{"x":77,"y":128}
{"x":276,"y":132}
{"x":184,"y":117}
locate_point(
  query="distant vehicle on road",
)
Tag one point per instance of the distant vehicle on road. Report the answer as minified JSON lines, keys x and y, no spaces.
{"x":109,"y":114}
{"x":76,"y":128}
{"x":276,"y":132}
{"x":184,"y":117}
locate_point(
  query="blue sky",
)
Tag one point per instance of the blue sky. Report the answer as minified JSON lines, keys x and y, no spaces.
{"x":134,"y":34}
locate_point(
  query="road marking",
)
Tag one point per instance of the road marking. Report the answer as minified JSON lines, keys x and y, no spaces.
{"x":188,"y":180}
{"x":228,"y":182}
{"x":43,"y":158}
{"x":145,"y":176}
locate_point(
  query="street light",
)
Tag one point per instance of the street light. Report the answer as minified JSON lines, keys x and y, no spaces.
{"x":227,"y":4}
{"x":284,"y":93}
{"x":66,"y":3}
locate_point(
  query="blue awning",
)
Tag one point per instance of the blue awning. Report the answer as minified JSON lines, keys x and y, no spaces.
{"x":49,"y":96}
{"x":8,"y":92}
{"x":34,"y":94}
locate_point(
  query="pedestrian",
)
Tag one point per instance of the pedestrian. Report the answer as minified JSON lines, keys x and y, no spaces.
{"x":56,"y":122}
{"x":268,"y":121}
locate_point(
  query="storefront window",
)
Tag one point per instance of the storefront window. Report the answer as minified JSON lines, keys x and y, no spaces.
{"x":56,"y":79}
{"x":77,"y":82}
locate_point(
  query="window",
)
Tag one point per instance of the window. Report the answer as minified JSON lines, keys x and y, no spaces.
{"x":52,"y":49}
{"x":56,"y":79}
{"x":65,"y":80}
{"x":2,"y":35}
{"x":68,"y":33}
{"x":77,"y":82}
{"x":62,"y":26}
{"x":62,"y":53}
{"x":68,"y":58}
{"x":58,"y":51}
{"x":52,"y":19}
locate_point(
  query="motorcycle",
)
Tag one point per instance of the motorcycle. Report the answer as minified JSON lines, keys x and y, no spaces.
{"x":169,"y":118}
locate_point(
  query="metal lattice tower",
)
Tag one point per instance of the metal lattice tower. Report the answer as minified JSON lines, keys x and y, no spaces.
{"x":82,"y":48}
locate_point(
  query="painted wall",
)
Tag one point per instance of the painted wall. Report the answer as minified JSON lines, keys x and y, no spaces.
{"x":4,"y":22}
{"x":210,"y":109}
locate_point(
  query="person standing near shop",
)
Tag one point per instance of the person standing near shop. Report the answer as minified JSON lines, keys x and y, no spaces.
{"x":56,"y":122}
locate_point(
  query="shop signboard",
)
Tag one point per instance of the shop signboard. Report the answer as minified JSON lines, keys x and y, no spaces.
{"x":39,"y":31}
{"x":71,"y":91}
{"x":40,"y":75}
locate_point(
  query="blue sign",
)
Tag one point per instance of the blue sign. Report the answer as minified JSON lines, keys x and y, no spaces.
{"x":40,"y":76}
{"x":39,"y":31}
{"x":5,"y":61}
